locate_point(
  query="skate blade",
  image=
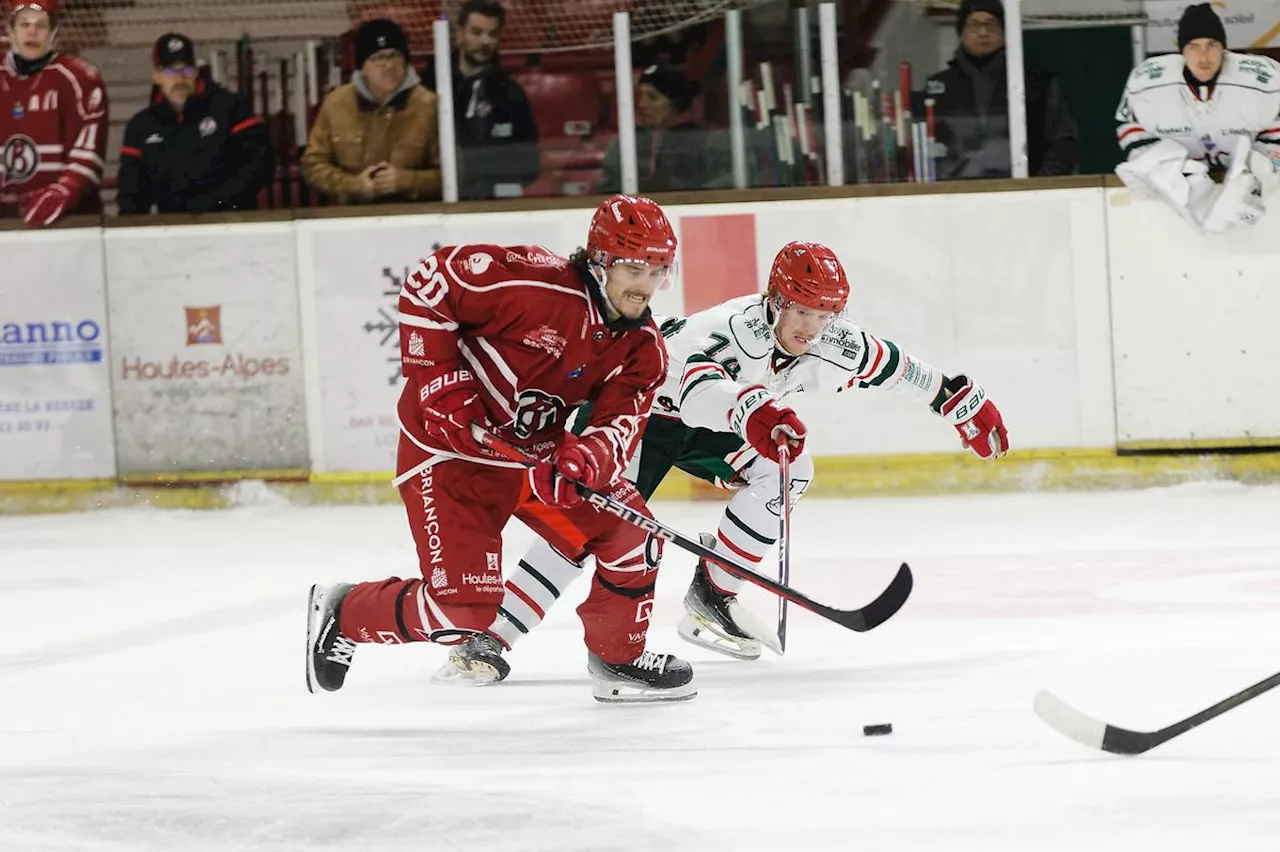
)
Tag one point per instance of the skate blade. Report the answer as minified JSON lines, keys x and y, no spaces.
{"x":458,"y":672}
{"x":313,"y":611}
{"x":703,"y":633}
{"x":623,"y":692}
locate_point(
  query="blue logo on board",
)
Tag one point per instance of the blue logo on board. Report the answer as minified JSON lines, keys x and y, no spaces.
{"x":56,"y":342}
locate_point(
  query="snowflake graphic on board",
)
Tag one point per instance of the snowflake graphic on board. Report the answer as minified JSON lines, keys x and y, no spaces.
{"x":385,"y":325}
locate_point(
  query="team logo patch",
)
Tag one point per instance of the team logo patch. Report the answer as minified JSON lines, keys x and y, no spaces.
{"x":21,"y":159}
{"x":535,"y":411}
{"x":208,"y":126}
{"x":416,"y":347}
{"x":204,"y":325}
{"x":479,"y":263}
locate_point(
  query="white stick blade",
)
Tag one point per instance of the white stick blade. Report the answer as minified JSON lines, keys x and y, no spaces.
{"x":1068,"y":721}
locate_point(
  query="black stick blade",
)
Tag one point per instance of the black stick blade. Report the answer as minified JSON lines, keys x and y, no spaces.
{"x":882,"y":608}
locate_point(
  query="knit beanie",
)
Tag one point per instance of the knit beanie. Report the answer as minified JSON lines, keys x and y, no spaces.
{"x":670,"y":80}
{"x":379,"y":34}
{"x":1200,"y":21}
{"x":968,"y":7}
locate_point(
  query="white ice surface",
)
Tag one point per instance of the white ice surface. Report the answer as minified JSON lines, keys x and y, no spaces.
{"x":152,"y":698}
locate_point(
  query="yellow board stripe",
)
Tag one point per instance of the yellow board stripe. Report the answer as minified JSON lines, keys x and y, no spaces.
{"x":835,"y":476}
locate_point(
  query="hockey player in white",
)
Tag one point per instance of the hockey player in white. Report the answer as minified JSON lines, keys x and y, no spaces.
{"x":1206,"y":107}
{"x":719,"y":417}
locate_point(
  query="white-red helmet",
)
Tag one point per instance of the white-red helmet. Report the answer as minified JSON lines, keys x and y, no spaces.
{"x":629,"y":228}
{"x":808,"y":274}
{"x":53,"y":7}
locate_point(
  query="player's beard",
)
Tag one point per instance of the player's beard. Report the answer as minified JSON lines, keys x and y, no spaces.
{"x":627,"y":303}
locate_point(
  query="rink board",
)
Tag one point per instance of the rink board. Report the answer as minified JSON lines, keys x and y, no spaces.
{"x":1098,"y":325}
{"x":55,"y":391}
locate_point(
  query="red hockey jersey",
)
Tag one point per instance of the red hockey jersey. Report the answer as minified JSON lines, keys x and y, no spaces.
{"x":53,"y":127}
{"x":531,"y":329}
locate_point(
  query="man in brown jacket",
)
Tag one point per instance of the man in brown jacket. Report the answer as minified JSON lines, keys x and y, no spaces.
{"x":375,"y":138}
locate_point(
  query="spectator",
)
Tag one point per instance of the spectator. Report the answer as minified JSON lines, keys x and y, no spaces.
{"x":375,"y":137}
{"x":197,"y":147}
{"x":672,"y":151}
{"x":972,"y":105}
{"x":53,"y":122}
{"x":494,"y":123}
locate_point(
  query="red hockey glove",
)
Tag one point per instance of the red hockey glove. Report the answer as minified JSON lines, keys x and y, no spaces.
{"x":976,"y":418}
{"x":450,"y":404}
{"x":42,"y":207}
{"x":589,"y":460}
{"x":763,"y":423}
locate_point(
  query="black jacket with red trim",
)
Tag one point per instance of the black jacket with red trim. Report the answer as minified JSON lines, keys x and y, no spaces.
{"x":213,"y":155}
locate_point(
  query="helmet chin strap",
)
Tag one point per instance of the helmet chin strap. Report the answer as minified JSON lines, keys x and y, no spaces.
{"x":601,"y":275}
{"x":773,"y":315}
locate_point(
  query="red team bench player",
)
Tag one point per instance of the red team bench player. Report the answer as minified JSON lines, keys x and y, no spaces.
{"x":53,"y":122}
{"x":514,"y":339}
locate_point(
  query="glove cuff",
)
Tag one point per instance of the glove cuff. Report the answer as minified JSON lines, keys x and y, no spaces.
{"x":751,"y":399}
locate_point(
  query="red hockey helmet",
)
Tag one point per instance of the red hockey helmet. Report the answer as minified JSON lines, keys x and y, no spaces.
{"x":629,"y":228}
{"x":53,"y":7}
{"x":808,"y":274}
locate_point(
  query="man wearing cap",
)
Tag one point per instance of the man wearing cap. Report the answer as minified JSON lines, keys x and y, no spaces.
{"x":672,"y":151}
{"x":53,"y":121}
{"x":492,"y":117}
{"x":197,"y":147}
{"x":972,"y":105}
{"x":375,"y":138}
{"x":1204,"y":108}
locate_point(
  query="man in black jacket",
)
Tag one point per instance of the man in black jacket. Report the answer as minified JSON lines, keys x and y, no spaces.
{"x":198,"y":147}
{"x":493,"y":121}
{"x":972,"y":105}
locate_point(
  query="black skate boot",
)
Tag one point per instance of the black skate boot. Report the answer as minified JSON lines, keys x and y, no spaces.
{"x":649,"y":677}
{"x":329,"y":653}
{"x":475,"y":662}
{"x":717,"y":621}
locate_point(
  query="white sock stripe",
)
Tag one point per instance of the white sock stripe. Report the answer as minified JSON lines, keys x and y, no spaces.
{"x":634,"y":554}
{"x":520,"y":610}
{"x":433,"y":608}
{"x":532,"y":589}
{"x":729,"y":532}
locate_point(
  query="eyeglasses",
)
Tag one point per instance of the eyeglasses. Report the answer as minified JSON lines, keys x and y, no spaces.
{"x":179,"y":71}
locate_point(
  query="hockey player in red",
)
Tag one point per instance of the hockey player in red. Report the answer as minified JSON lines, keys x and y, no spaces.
{"x":53,"y":122}
{"x":513,"y":339}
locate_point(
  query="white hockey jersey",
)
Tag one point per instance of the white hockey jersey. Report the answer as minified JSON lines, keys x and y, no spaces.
{"x":1159,"y":104}
{"x":715,"y":353}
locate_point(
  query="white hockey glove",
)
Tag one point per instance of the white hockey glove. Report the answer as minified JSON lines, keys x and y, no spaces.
{"x":1163,"y":171}
{"x":1240,"y":202}
{"x":1266,"y":168}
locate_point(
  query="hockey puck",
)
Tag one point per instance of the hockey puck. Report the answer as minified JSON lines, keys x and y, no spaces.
{"x":876,"y":730}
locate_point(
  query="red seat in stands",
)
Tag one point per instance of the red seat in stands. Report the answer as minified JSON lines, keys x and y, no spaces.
{"x":564,"y":103}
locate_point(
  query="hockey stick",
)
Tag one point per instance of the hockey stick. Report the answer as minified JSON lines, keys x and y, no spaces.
{"x":784,"y":537}
{"x":1095,"y":733}
{"x":859,"y":620}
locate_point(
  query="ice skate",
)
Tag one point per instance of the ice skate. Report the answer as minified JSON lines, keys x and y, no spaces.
{"x":718,"y":622}
{"x":648,"y":678}
{"x":475,"y":662}
{"x":329,"y":653}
